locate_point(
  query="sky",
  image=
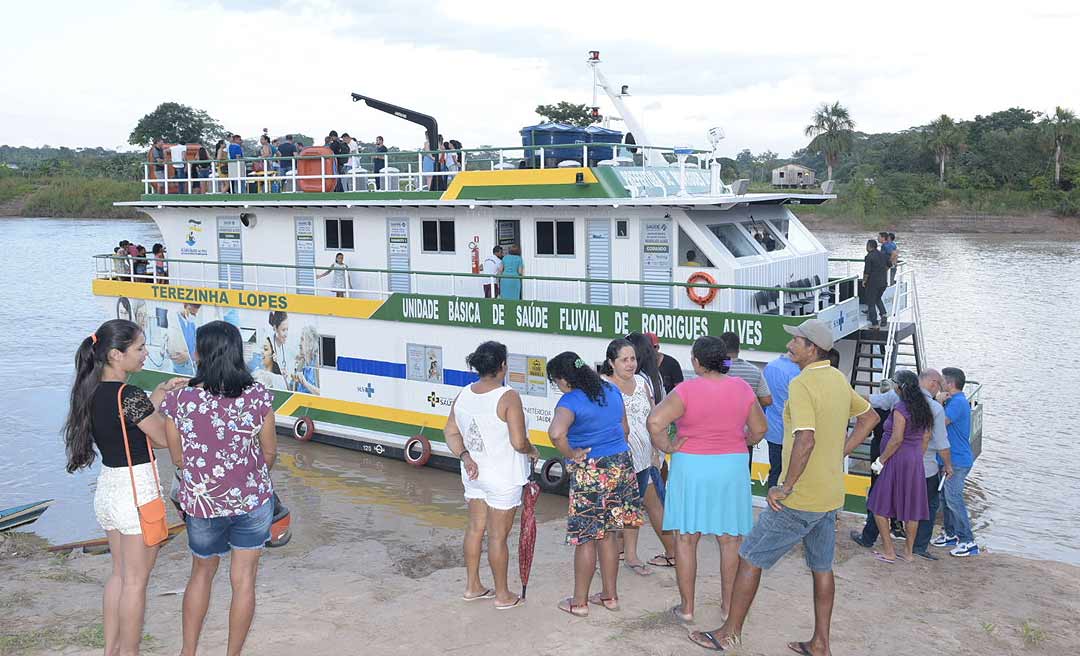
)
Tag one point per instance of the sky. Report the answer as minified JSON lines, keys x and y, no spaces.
{"x":81,"y":74}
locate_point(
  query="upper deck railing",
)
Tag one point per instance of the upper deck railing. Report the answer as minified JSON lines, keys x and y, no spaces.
{"x":400,"y":170}
{"x":375,"y":283}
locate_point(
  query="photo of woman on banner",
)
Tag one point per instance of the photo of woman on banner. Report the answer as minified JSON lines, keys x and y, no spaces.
{"x":279,"y":342}
{"x":306,"y":376}
{"x":269,"y":373}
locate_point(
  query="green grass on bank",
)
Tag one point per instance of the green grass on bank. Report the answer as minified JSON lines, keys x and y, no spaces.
{"x":70,"y":196}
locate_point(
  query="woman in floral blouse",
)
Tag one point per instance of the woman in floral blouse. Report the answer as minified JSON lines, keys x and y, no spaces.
{"x":222,"y":426}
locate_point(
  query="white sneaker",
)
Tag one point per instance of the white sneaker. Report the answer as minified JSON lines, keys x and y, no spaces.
{"x":965,"y":549}
{"x":943,"y":540}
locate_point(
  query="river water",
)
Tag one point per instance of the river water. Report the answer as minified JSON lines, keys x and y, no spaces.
{"x":1001,"y":307}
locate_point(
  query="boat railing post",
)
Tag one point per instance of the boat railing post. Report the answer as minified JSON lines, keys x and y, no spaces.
{"x":146,"y":178}
{"x":584,"y":154}
{"x":780,"y":302}
{"x":541,"y":157}
{"x":463,"y":154}
{"x":500,"y":158}
{"x":322,"y":173}
{"x":167,"y":167}
{"x":256,"y":267}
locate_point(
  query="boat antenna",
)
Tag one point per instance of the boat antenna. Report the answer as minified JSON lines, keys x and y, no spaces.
{"x":430,"y":125}
{"x":633,"y":126}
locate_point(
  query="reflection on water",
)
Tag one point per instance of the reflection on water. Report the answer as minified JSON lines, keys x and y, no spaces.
{"x":999,"y":307}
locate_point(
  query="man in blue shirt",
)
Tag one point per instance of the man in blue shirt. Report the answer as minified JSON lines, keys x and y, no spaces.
{"x":778,"y":375}
{"x":957,"y":529}
{"x":237,"y":169}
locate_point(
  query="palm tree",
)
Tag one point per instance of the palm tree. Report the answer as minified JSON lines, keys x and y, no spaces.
{"x":1062,"y":127}
{"x":833,"y":132}
{"x":943,"y":138}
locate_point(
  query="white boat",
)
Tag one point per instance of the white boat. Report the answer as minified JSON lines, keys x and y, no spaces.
{"x":604,"y":228}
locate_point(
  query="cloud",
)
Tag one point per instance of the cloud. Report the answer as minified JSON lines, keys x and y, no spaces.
{"x":480,"y":67}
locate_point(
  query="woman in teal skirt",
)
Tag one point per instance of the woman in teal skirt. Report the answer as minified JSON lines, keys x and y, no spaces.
{"x":708,"y":489}
{"x":513,"y":269}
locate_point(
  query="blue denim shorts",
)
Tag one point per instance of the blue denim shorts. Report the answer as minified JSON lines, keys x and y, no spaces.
{"x":215,"y":536}
{"x":775,"y":533}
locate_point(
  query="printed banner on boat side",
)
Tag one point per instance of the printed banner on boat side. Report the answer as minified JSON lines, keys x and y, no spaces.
{"x":756,"y":332}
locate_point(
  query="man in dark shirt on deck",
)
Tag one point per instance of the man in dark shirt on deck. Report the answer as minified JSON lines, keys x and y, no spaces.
{"x":287,"y":149}
{"x":379,"y":163}
{"x":875,"y":280}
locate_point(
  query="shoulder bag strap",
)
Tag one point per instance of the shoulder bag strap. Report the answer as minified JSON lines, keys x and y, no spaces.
{"x":127,"y":447}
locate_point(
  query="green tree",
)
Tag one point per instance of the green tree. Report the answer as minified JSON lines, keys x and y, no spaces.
{"x":832,"y":132}
{"x":944,"y":139}
{"x":1062,"y":128}
{"x":564,"y":112}
{"x":175,"y":123}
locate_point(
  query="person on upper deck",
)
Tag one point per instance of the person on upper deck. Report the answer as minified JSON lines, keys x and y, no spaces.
{"x":287,"y":149}
{"x":237,"y":168}
{"x":875,"y":280}
{"x":338,"y":148}
{"x":493,"y":266}
{"x":513,"y":269}
{"x":379,"y":163}
{"x":156,"y":157}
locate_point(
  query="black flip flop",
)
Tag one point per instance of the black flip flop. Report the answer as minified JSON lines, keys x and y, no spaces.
{"x":799,"y":648}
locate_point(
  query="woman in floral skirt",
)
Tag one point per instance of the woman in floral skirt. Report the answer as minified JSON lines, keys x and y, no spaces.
{"x":590,"y":430}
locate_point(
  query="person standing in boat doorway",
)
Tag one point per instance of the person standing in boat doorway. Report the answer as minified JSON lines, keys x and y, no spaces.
{"x":493,"y":266}
{"x":875,"y":280}
{"x":341,"y":275}
{"x":513,"y":269}
{"x":379,"y":163}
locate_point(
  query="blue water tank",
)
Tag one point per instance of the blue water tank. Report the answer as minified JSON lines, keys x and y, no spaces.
{"x":553,"y":134}
{"x":598,"y":134}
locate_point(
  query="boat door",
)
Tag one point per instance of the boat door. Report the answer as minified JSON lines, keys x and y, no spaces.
{"x":397,"y":254}
{"x":598,"y":260}
{"x":507,"y":232}
{"x":230,"y":249}
{"x":656,"y":262}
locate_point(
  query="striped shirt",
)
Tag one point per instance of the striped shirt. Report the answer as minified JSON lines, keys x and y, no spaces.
{"x":752,"y":375}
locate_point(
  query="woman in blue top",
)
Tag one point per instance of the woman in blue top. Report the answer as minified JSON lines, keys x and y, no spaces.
{"x":590,"y":430}
{"x":513,"y":269}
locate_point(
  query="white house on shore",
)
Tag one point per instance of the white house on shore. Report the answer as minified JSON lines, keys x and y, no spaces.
{"x":793,"y":175}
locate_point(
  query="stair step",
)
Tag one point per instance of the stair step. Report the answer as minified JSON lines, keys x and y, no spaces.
{"x":873,"y":341}
{"x":873,"y":370}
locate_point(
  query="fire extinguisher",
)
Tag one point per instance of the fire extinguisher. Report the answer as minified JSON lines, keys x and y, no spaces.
{"x":474,"y":246}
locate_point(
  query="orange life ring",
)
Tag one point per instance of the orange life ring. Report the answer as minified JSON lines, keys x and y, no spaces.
{"x":699,"y":296}
{"x":422,"y":443}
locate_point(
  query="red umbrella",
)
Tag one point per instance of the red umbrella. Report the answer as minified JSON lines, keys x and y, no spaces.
{"x":527,"y":541}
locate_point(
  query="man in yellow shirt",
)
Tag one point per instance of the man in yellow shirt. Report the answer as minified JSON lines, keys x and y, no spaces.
{"x":803,"y":507}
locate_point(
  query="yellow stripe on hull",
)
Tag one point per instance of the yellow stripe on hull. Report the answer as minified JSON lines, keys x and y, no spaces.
{"x":516,"y":177}
{"x":331,"y":306}
{"x":854,"y":484}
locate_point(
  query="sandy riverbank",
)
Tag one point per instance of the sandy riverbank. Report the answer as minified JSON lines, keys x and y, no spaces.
{"x":399,"y":593}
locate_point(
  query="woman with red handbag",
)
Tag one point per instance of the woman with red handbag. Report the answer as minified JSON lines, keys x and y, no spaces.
{"x":120,"y":420}
{"x":223,"y":423}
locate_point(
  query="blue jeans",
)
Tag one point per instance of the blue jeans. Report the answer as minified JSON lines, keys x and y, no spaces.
{"x":957,"y":521}
{"x":776,"y":463}
{"x":926,"y":526}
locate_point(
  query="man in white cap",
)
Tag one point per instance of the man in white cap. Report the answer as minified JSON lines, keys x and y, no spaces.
{"x":803,"y":507}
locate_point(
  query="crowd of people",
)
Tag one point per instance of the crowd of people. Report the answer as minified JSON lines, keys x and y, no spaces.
{"x":194,"y":168}
{"x":620,"y":427}
{"x":131,"y":263}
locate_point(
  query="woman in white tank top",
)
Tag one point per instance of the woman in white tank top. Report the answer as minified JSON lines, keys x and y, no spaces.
{"x":618,"y":368}
{"x":486,"y":430}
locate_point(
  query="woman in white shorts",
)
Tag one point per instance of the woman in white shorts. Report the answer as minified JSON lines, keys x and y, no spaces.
{"x":486,"y":430}
{"x":102,"y":364}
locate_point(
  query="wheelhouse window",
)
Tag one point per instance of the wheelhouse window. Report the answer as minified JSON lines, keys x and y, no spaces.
{"x":690,"y":254}
{"x":734,"y":239}
{"x":764,"y":234}
{"x":554,"y":237}
{"x":339,"y":234}
{"x":438,"y":236}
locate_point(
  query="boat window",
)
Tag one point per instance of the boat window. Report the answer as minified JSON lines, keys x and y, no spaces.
{"x":733,"y":239}
{"x":328,"y":351}
{"x":339,"y":234}
{"x":765,"y":235}
{"x":796,"y":235}
{"x":438,"y":236}
{"x":554,"y":237}
{"x":690,"y":255}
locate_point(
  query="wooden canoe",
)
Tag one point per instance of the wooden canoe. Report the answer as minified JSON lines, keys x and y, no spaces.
{"x":23,"y":515}
{"x":174,"y":530}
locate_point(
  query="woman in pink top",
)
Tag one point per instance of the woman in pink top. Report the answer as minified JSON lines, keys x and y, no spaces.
{"x":708,"y":489}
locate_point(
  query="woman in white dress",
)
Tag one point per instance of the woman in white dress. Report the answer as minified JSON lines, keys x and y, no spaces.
{"x":619,"y":368}
{"x":486,"y":430}
{"x":341,"y":275}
